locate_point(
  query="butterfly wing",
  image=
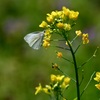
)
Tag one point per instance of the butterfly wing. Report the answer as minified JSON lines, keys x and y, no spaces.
{"x":38,"y":43}
{"x":34,"y":39}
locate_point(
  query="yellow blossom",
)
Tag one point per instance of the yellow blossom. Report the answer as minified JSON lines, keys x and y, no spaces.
{"x":97,"y":78}
{"x":98,"y":86}
{"x":85,"y":38}
{"x":78,"y":32}
{"x":43,"y":24}
{"x":65,"y":82}
{"x":73,"y":15}
{"x":59,"y":13}
{"x":46,"y":43}
{"x":53,"y":78}
{"x":60,"y":25}
{"x":50,"y":18}
{"x":59,"y":78}
{"x":47,"y":89}
{"x":54,"y":14}
{"x":65,"y":11}
{"x":38,"y":89}
{"x":59,"y":54}
{"x":47,"y":38}
{"x":67,"y":27}
{"x":47,"y":32}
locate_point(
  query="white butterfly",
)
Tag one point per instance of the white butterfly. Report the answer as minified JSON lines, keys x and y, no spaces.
{"x":34,"y":39}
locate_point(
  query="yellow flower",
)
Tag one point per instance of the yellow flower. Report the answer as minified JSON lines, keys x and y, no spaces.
{"x":78,"y":32}
{"x":38,"y":89}
{"x":59,"y":14}
{"x":53,"y":78}
{"x":73,"y":15}
{"x":43,"y":24}
{"x":85,"y":38}
{"x":50,"y":18}
{"x":65,"y":82}
{"x":67,"y":27}
{"x":59,"y":78}
{"x":97,"y":78}
{"x":46,"y":43}
{"x":98,"y":86}
{"x":47,"y":89}
{"x":65,"y":11}
{"x":59,"y":54}
{"x":60,"y":25}
{"x":54,"y":14}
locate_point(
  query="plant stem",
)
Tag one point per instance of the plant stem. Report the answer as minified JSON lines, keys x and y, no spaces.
{"x":75,"y":66}
{"x":87,"y":83}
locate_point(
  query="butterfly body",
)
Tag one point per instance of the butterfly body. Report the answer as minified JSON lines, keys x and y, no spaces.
{"x":34,"y":39}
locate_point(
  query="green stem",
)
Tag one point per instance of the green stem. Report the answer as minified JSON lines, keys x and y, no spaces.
{"x":75,"y":66}
{"x":87,"y":83}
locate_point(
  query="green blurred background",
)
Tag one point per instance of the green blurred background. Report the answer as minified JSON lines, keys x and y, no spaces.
{"x":22,"y":68}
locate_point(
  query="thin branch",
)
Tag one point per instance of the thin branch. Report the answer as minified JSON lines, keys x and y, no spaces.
{"x":85,"y":62}
{"x":87,"y":83}
{"x":55,"y":40}
{"x":67,"y":60}
{"x":94,"y":55}
{"x":82,"y":77}
{"x":62,"y":48}
{"x":77,"y":48}
{"x":63,"y":97}
{"x":74,"y":39}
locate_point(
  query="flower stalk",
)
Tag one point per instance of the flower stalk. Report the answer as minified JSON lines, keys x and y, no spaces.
{"x":75,"y":67}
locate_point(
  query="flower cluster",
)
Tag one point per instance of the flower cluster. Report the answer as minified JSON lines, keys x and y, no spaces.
{"x":58,"y":22}
{"x":85,"y":36}
{"x":97,"y":78}
{"x":57,"y":85}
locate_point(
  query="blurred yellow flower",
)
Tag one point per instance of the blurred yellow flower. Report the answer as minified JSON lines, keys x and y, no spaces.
{"x":97,"y":78}
{"x":59,"y":78}
{"x":38,"y":89}
{"x":78,"y":32}
{"x":46,"y":43}
{"x":50,"y":18}
{"x":65,"y":82}
{"x":43,"y":24}
{"x":67,"y":27}
{"x":65,"y":10}
{"x":85,"y":38}
{"x":54,"y":14}
{"x":98,"y":86}
{"x":59,"y":54}
{"x":47,"y":89}
{"x":53,"y":78}
{"x":73,"y":15}
{"x":60,"y":25}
